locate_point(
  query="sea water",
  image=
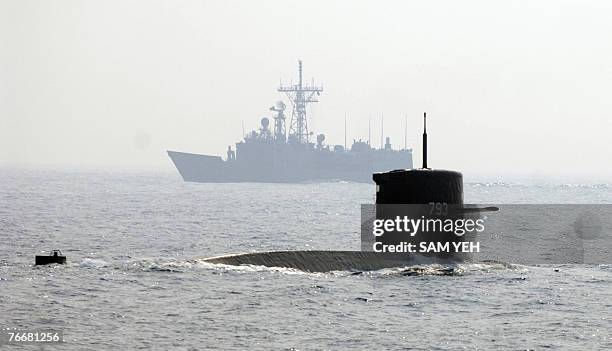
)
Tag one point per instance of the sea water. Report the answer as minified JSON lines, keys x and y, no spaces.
{"x":135,"y":277}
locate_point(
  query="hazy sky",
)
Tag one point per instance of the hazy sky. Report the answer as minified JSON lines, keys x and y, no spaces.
{"x":511,"y":87}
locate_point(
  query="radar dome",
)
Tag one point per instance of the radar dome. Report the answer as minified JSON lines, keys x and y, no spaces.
{"x":320,"y":138}
{"x":265,"y":122}
{"x":280,"y":106}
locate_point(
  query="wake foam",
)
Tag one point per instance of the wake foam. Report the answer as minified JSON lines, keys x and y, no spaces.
{"x":352,"y":262}
{"x":336,"y":263}
{"x":93,"y":263}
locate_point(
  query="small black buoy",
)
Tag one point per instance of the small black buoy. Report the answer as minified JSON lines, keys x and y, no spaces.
{"x":55,"y":257}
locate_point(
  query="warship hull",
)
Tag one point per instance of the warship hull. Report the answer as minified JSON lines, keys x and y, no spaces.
{"x":300,"y":167}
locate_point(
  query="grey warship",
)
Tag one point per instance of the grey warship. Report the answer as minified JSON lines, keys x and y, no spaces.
{"x":272,"y":155}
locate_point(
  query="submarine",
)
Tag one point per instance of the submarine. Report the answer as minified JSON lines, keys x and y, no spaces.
{"x":419,"y":187}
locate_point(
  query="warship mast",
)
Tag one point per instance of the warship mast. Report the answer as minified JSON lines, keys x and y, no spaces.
{"x":300,"y":95}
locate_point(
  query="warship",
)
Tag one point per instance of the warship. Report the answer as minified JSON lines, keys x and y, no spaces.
{"x":272,"y":155}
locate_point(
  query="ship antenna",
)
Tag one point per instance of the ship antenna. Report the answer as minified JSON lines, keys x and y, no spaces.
{"x":382,"y":126}
{"x":300,"y":64}
{"x":300,"y":96}
{"x":369,"y":129}
{"x":424,"y":140}
{"x":345,"y":131}
{"x":406,"y":132}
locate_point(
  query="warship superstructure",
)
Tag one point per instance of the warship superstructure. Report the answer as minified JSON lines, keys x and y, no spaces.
{"x":270,"y":154}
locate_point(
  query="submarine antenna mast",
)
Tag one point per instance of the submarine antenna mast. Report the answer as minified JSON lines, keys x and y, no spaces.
{"x":424,"y":140}
{"x":300,"y":96}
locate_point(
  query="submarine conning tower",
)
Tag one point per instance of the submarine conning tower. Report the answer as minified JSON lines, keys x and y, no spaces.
{"x":419,"y":186}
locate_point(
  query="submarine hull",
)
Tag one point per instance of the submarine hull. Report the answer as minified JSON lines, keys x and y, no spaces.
{"x":327,"y":261}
